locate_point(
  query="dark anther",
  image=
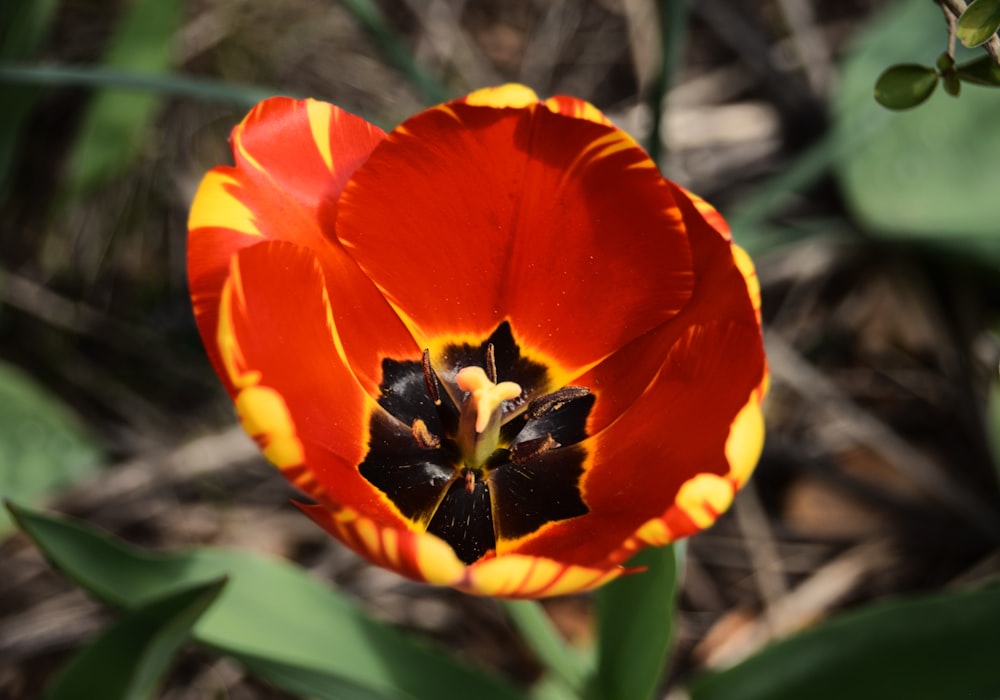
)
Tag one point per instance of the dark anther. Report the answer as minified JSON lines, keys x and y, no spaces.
{"x":429,"y":379}
{"x":470,"y":481}
{"x":425,"y":439}
{"x":523,"y":452}
{"x":491,"y":363}
{"x":544,"y":405}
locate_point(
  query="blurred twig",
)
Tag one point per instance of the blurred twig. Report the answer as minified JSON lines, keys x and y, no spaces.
{"x":129,"y":481}
{"x":444,"y":35}
{"x":809,"y":43}
{"x":790,"y":367}
{"x":806,"y":604}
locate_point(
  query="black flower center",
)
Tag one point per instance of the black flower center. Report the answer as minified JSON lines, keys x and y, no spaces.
{"x":473,"y":449}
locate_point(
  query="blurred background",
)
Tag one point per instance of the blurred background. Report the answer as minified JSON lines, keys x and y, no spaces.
{"x":875,"y":235}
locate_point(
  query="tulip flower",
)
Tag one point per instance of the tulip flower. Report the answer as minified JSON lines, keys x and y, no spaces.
{"x":494,"y":346}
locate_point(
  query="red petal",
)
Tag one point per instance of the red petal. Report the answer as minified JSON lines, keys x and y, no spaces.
{"x":654,"y":432}
{"x":467,"y":215}
{"x":280,"y":349}
{"x":424,"y":557}
{"x":293,"y":158}
{"x":725,"y":288}
{"x":676,"y":430}
{"x":574,"y":107}
{"x":305,"y":149}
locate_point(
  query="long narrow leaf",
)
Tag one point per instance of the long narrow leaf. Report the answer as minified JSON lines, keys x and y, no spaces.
{"x":635,"y":623}
{"x":163,"y":85}
{"x":944,"y":646}
{"x":43,"y":447}
{"x":128,"y":660}
{"x":270,"y":610}
{"x":537,"y":631}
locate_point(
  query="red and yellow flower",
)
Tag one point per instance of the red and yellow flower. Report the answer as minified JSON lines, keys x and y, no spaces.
{"x":497,"y":349}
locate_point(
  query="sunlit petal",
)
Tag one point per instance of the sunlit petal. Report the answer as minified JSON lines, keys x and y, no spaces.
{"x":560,"y":225}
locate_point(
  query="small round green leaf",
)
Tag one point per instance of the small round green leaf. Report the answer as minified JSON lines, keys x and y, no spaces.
{"x":979,"y":22}
{"x":905,"y":85}
{"x":952,"y":85}
{"x":982,"y":71}
{"x":945,"y":62}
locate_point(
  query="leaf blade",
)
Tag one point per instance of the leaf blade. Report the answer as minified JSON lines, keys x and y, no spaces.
{"x":635,"y":622}
{"x":979,"y":22}
{"x":905,"y":85}
{"x":128,"y":660}
{"x":42,"y":445}
{"x":924,"y":649}
{"x":308,"y":626}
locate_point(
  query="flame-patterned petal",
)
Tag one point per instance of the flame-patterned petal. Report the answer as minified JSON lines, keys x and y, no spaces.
{"x":346,"y":283}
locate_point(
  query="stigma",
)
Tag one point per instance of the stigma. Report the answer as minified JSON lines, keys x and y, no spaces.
{"x":481,"y":414}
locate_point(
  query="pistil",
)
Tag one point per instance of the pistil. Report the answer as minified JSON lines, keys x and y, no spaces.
{"x":481,"y":414}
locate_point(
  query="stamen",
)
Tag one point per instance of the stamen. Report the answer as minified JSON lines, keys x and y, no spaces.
{"x":544,"y":405}
{"x":491,"y":363}
{"x":425,"y":439}
{"x":429,"y":379}
{"x":524,"y":452}
{"x":470,"y":481}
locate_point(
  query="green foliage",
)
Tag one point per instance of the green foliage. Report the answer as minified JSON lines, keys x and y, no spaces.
{"x":943,"y":646}
{"x":568,"y":665}
{"x":280,"y":623}
{"x":117,"y":123}
{"x":906,"y":85}
{"x":635,"y":625}
{"x":926,"y":175}
{"x":909,"y":84}
{"x":981,"y":71}
{"x":979,"y":22}
{"x":42,"y":446}
{"x":128,"y":660}
{"x":163,"y":85}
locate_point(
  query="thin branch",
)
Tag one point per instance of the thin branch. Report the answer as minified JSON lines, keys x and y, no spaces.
{"x":956,"y":8}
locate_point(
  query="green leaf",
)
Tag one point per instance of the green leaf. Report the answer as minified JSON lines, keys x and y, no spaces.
{"x":42,"y":445}
{"x":927,"y":175}
{"x":117,"y":123}
{"x":537,"y":631}
{"x":905,"y":86}
{"x":945,"y":62}
{"x":952,"y":85}
{"x":979,"y":22}
{"x":128,"y":660}
{"x":163,"y":85}
{"x":982,"y":71}
{"x":635,"y":626}
{"x":937,"y":647}
{"x":273,"y":617}
{"x":23,"y":26}
{"x":307,"y":682}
